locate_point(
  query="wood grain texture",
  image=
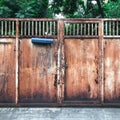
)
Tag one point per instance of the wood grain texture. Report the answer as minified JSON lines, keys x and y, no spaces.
{"x":82,"y":72}
{"x":7,"y":70}
{"x":112,"y":70}
{"x":37,"y":69}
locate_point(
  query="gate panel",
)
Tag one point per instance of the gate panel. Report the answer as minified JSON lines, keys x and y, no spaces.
{"x":37,"y":69}
{"x":112,"y":71}
{"x":7,"y":70}
{"x":81,"y":83}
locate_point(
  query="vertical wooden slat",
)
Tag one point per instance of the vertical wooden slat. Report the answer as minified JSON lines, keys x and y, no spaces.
{"x":101,"y":60}
{"x":68,"y":26}
{"x":113,"y":33}
{"x":74,"y":29}
{"x":36,"y":28}
{"x":2,"y":28}
{"x":9,"y":28}
{"x":109,"y":27}
{"x":47,"y":27}
{"x":106,"y":26}
{"x":5,"y":27}
{"x":25,"y":28}
{"x":78,"y":29}
{"x":51,"y":28}
{"x":39,"y":28}
{"x":17,"y":55}
{"x":96,"y":29}
{"x":117,"y":28}
{"x":81,"y":29}
{"x":21,"y":27}
{"x":43,"y":26}
{"x":92,"y":29}
{"x":29,"y":29}
{"x":88,"y":29}
{"x":32,"y":28}
{"x":13,"y":22}
{"x":84,"y":29}
{"x":54,"y":28}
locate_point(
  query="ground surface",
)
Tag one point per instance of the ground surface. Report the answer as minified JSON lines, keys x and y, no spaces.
{"x":59,"y":113}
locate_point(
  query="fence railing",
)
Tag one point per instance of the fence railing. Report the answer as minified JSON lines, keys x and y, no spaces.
{"x":7,"y":28}
{"x":37,"y":27}
{"x":49,"y":27}
{"x":81,"y":28}
{"x":112,"y":28}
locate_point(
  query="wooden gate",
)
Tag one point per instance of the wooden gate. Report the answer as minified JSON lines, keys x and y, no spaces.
{"x":80,"y":67}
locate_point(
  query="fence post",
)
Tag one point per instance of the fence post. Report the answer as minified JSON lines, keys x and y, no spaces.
{"x":16,"y":58}
{"x":60,"y":60}
{"x":101,"y":59}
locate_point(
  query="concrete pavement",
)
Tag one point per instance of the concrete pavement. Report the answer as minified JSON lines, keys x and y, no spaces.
{"x":59,"y":113}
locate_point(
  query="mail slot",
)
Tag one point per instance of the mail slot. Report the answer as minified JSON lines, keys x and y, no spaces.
{"x":42,"y":40}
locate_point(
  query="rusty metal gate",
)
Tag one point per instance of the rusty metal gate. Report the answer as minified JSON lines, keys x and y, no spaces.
{"x":82,"y":61}
{"x":112,"y":62}
{"x":7,"y":70}
{"x":80,"y":67}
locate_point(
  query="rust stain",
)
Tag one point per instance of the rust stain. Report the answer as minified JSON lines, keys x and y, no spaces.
{"x":82,"y":71}
{"x":2,"y":83}
{"x":112,"y":70}
{"x":7,"y":71}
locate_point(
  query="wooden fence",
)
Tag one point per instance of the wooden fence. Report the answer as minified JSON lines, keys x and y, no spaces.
{"x":80,"y":68}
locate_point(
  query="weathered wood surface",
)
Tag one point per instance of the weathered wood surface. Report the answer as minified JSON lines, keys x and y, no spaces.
{"x":81,"y":83}
{"x":7,"y":70}
{"x":112,"y":70}
{"x":37,"y":72}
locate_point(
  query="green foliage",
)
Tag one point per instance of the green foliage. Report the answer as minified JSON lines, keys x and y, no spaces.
{"x":25,"y":8}
{"x":69,"y":8}
{"x":112,"y":9}
{"x":66,"y":7}
{"x":92,"y":10}
{"x":32,"y":9}
{"x":57,"y":6}
{"x":75,"y":9}
{"x":8,"y":8}
{"x":5,"y":12}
